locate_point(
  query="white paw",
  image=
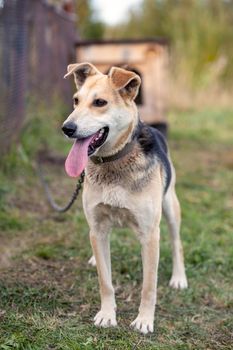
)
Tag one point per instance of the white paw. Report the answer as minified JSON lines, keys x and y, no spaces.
{"x":105,"y":319}
{"x":178,"y":282}
{"x":92,"y":261}
{"x":143,"y":324}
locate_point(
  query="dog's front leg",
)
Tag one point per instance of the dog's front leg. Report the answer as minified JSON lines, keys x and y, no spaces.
{"x":106,"y":317}
{"x":150,"y":260}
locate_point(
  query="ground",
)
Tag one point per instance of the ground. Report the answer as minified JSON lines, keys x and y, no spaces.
{"x":49,"y":295}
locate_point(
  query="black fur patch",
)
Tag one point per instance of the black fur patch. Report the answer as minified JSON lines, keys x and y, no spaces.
{"x":131,"y":85}
{"x":162,"y":127}
{"x":153,"y":144}
{"x":81,"y":74}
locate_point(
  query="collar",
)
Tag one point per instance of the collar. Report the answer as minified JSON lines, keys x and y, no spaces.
{"x":127,"y":149}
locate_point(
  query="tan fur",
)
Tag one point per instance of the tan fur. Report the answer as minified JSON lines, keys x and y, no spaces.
{"x":127,"y":191}
{"x":124,"y":137}
{"x":120,"y":77}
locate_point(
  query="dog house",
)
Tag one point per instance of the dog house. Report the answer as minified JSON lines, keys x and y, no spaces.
{"x":148,"y":58}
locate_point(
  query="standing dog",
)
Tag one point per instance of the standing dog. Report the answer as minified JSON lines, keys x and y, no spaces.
{"x":129,"y":181}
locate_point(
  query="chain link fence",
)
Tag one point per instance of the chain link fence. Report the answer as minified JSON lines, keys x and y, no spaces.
{"x":36,"y":44}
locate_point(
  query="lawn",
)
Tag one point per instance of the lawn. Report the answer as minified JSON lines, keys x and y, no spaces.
{"x":49,"y":295}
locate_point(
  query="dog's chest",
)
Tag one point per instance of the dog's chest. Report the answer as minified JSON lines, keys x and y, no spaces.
{"x":115,"y":205}
{"x":119,"y":217}
{"x":115,"y":196}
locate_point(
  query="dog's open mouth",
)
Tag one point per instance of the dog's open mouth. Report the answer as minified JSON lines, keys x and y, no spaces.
{"x":98,"y":140}
{"x":82,"y":149}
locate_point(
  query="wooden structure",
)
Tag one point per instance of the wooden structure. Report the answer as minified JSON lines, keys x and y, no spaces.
{"x":36,"y":44}
{"x":147,"y":57}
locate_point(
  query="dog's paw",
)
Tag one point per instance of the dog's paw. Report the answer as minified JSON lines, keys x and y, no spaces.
{"x":178,"y":282}
{"x":92,"y":261}
{"x":143,"y":324}
{"x":105,"y":319}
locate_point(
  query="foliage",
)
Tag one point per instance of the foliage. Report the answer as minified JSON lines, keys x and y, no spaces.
{"x":89,"y":26}
{"x":200,"y":32}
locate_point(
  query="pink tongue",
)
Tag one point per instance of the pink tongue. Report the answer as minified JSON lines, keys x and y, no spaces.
{"x":78,"y":157}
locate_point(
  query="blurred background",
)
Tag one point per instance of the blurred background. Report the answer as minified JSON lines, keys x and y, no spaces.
{"x":183,"y":51}
{"x":39,"y":38}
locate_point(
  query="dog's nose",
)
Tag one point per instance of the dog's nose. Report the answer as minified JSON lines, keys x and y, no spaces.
{"x":69,"y":128}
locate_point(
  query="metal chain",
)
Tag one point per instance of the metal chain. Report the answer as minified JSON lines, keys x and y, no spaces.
{"x":50,"y":199}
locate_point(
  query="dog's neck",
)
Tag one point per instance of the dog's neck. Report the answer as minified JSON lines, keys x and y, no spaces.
{"x":126,"y":148}
{"x":120,"y":154}
{"x":132,"y":170}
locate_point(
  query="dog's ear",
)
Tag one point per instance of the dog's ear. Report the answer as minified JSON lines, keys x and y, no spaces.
{"x":81,"y":71}
{"x":125,"y":81}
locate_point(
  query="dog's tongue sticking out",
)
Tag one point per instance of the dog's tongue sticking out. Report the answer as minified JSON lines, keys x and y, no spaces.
{"x":78,"y":157}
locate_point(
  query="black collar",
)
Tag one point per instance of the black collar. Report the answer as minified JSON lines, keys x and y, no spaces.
{"x":127,"y":149}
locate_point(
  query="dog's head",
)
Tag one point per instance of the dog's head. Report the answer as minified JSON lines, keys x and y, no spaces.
{"x":104,"y":114}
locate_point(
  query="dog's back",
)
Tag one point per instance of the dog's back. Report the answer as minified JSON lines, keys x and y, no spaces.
{"x":154,"y":144}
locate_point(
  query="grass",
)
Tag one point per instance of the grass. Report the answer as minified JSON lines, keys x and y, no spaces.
{"x":49,"y":294}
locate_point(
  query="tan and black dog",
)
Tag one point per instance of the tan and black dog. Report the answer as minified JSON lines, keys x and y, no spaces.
{"x":129,"y":181}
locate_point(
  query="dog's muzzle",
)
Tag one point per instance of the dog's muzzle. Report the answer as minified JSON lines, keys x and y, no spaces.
{"x":69,"y":129}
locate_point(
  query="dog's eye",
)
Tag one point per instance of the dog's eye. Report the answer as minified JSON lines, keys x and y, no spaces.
{"x":76,"y":100}
{"x":99,"y":102}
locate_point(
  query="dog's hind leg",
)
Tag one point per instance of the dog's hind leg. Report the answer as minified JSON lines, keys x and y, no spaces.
{"x":171,"y":211}
{"x":106,"y":317}
{"x":92,"y":261}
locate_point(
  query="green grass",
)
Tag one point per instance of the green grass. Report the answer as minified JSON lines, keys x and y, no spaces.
{"x":49,"y":294}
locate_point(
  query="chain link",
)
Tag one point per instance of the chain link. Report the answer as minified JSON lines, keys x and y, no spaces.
{"x":50,"y":199}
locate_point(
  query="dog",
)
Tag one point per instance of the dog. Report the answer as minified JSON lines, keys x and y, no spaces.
{"x":129,"y":180}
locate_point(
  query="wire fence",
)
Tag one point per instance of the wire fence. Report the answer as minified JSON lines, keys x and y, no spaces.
{"x":36,"y":44}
